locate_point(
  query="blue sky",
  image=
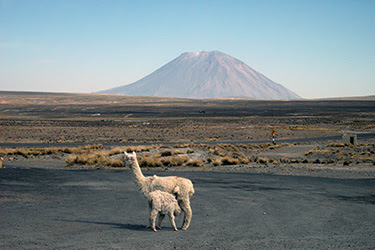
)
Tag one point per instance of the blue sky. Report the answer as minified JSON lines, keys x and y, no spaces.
{"x":314,"y":48}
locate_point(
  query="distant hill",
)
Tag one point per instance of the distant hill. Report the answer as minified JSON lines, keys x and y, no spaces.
{"x":349,"y":98}
{"x":206,"y":75}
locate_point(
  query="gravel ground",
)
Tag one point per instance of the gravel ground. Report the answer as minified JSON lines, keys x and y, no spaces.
{"x":44,"y":206}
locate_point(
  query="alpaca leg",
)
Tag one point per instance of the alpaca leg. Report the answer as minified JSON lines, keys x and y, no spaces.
{"x":153,"y":215}
{"x":171,"y":218}
{"x":185,"y":206}
{"x":161,"y":217}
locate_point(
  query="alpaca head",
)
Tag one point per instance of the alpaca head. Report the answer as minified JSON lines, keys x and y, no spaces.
{"x":130,"y":159}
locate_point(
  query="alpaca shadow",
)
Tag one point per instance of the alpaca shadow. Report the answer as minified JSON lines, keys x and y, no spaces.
{"x":127,"y":226}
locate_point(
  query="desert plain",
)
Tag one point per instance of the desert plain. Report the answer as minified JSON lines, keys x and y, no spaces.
{"x":51,"y":143}
{"x":205,"y":133}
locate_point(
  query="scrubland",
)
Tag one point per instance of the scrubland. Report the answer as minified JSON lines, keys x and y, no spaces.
{"x":171,"y":133}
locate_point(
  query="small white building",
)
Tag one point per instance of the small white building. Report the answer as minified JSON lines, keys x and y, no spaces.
{"x":349,"y":137}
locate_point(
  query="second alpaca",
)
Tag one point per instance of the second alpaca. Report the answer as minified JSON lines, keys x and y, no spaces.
{"x":168,"y":184}
{"x":162,"y":203}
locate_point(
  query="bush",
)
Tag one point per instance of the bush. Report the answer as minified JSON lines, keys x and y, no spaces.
{"x":195,"y":163}
{"x":215,"y":161}
{"x":72,"y":159}
{"x":189,"y":151}
{"x":175,"y":161}
{"x":167,"y":152}
{"x":262,"y":160}
{"x":178,"y":152}
{"x":284,"y":160}
{"x":151,"y":162}
{"x":227,"y":160}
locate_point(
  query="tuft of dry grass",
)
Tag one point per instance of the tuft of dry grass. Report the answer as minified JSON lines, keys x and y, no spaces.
{"x":215,"y":161}
{"x":138,"y":149}
{"x":166,"y":152}
{"x":186,"y":145}
{"x":262,"y":160}
{"x":189,"y":151}
{"x":151,"y":162}
{"x":227,"y":160}
{"x":195,"y":163}
{"x":49,"y":151}
{"x":178,"y":152}
{"x":175,"y":161}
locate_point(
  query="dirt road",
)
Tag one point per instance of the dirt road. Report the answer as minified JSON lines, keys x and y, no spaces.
{"x":50,"y":208}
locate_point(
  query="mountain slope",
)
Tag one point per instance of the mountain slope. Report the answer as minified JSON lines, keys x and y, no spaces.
{"x":206,"y":75}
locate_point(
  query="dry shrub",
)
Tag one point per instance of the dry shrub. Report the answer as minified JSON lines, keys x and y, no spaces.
{"x":109,"y":162}
{"x":240,"y":157}
{"x":244,"y":146}
{"x":151,"y":162}
{"x":227,"y":160}
{"x":72,"y":159}
{"x":141,"y":148}
{"x":217,"y":151}
{"x":175,"y":161}
{"x":261,"y":160}
{"x":67,"y":150}
{"x":87,"y":159}
{"x":284,"y":160}
{"x":116,"y":151}
{"x":178,"y":152}
{"x":244,"y":160}
{"x":195,"y":163}
{"x":98,"y":158}
{"x":228,"y":147}
{"x":166,"y":152}
{"x":215,"y":161}
{"x":189,"y":151}
{"x":265,"y":145}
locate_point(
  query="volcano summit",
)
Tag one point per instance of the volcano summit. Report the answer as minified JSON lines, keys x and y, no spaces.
{"x":206,"y":75}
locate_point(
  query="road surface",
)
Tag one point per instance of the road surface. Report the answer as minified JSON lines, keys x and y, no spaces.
{"x":50,"y":208}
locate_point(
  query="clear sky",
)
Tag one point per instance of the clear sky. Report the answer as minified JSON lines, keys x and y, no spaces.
{"x":315,"y":48}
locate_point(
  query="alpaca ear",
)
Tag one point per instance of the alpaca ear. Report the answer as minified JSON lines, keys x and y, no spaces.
{"x":125,"y":153}
{"x":134,"y":153}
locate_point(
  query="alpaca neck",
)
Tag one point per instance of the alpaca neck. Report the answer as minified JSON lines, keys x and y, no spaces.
{"x":140,"y":179}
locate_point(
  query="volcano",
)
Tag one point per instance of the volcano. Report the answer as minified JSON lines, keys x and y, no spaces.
{"x":204,"y":75}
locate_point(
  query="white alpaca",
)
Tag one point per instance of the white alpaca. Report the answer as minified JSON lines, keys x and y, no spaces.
{"x":181,"y":187}
{"x":162,"y":203}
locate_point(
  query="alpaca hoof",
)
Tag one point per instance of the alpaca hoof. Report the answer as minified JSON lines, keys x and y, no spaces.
{"x":175,"y":229}
{"x":154,"y":229}
{"x":184,"y":228}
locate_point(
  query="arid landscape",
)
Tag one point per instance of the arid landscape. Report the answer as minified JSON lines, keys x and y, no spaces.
{"x":64,"y":184}
{"x":234,"y":134}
